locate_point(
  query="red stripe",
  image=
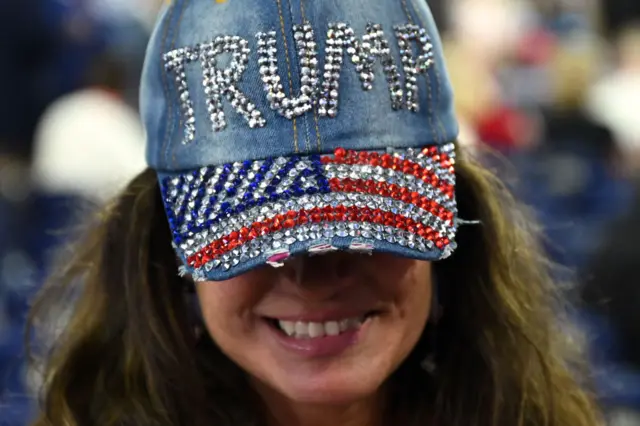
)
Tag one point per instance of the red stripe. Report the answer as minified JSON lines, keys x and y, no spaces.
{"x":326,"y":214}
{"x":394,"y":191}
{"x":388,"y":161}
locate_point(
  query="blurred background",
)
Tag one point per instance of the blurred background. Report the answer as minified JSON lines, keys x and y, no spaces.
{"x":550,"y":88}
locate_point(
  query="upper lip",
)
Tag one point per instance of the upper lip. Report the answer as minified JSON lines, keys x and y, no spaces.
{"x":323,"y":316}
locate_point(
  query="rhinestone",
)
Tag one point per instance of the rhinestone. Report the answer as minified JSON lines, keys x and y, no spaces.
{"x":362,"y":55}
{"x":279,"y":102}
{"x":195,"y":234}
{"x":414,"y":66}
{"x":222,"y":84}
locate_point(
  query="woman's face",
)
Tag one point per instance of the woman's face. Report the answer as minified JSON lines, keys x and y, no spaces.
{"x":323,"y":330}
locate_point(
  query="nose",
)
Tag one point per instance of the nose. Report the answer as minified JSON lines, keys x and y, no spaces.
{"x":321,"y":276}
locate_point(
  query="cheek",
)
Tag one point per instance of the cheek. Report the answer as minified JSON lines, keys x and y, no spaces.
{"x":415,"y":295}
{"x":409,"y":285}
{"x":415,"y":312}
{"x":407,"y":282}
{"x":227,"y":307}
{"x":216,"y":306}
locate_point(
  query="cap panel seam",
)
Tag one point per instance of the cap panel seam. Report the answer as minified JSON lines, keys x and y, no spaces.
{"x":286,"y":51}
{"x":315,"y":106}
{"x":304,"y":116}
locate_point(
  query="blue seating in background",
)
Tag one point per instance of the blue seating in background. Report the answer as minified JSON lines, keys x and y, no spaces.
{"x":617,"y":385}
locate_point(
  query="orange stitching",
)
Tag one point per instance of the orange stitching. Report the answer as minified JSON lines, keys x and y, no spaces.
{"x":304,"y":119}
{"x":286,"y":49}
{"x":315,"y":107}
{"x":406,"y":11}
{"x":315,"y":117}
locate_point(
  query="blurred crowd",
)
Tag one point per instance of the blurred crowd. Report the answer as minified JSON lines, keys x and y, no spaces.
{"x":548,"y":93}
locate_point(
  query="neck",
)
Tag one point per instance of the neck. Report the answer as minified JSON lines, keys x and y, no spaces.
{"x":365,"y":412}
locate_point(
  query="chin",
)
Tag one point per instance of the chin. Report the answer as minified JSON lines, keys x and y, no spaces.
{"x":330,"y":388}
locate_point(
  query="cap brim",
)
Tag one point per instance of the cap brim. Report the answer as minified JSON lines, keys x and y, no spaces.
{"x":228,"y":219}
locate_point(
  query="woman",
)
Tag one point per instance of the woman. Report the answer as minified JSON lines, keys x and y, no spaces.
{"x":294,"y":282}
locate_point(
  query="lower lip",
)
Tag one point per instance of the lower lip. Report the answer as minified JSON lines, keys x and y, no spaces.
{"x":320,"y":347}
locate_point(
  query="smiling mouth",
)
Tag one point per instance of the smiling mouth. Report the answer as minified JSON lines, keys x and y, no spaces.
{"x":311,"y":330}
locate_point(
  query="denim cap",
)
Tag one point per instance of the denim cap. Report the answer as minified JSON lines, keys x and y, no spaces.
{"x":287,"y":127}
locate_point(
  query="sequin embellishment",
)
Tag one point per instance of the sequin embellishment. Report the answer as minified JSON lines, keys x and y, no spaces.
{"x":223,"y":216}
{"x":340,"y":37}
{"x":340,"y":42}
{"x":414,"y":66}
{"x":268,"y":62}
{"x":217,"y":82}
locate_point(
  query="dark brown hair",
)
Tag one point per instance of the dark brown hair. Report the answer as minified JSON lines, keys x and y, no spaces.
{"x":129,"y":355}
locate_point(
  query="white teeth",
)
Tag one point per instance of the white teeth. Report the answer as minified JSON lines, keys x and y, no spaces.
{"x":332,"y":328}
{"x":311,"y":330}
{"x":302,"y":329}
{"x":288,"y":327}
{"x":344,"y":324}
{"x":316,"y":329}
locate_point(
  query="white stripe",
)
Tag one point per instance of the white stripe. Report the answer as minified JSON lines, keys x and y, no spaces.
{"x":385,"y":204}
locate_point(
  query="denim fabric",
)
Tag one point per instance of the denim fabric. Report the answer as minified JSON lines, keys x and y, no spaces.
{"x":365,"y":119}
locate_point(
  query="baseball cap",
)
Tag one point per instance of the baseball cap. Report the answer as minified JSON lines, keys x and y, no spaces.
{"x":288,"y":127}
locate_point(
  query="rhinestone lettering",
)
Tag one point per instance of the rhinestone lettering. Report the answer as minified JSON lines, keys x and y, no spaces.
{"x":340,"y":37}
{"x":414,"y":66}
{"x":289,"y":107}
{"x":217,"y":82}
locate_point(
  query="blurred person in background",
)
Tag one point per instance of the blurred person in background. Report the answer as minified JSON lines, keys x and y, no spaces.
{"x":615,"y":99}
{"x":610,"y":277}
{"x":90,"y":142}
{"x":246,"y":277}
{"x":572,"y":174}
{"x":617,"y":15}
{"x":472,"y":43}
{"x":46,"y":47}
{"x":576,"y":184}
{"x":88,"y":145}
{"x":127,"y":26}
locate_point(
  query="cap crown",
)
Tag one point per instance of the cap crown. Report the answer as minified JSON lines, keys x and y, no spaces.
{"x":252,"y":79}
